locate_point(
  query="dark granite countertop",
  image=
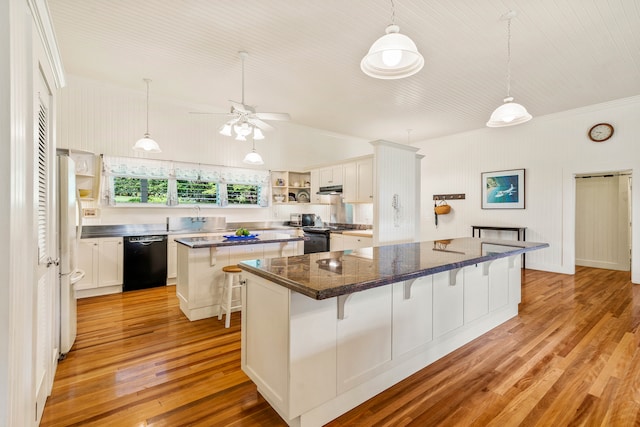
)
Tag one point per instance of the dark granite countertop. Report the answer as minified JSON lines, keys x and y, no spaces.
{"x":330,"y":274}
{"x":217,"y":241}
{"x":124,"y":230}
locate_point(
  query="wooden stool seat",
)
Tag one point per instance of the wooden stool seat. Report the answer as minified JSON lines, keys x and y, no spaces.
{"x":228,"y":303}
{"x":232,"y":269}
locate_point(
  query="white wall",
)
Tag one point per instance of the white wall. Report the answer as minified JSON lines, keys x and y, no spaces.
{"x":552,"y":149}
{"x":105,"y":119}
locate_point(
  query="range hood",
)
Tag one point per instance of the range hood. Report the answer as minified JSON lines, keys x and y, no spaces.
{"x":332,"y":189}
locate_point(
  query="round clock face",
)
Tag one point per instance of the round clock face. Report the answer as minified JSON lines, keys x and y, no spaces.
{"x":601,"y":132}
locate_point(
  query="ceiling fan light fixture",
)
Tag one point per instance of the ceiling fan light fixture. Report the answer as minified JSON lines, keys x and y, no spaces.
{"x":509,"y":113}
{"x":240,"y":137}
{"x":257,"y":133}
{"x":225,"y":129}
{"x":145,"y":143}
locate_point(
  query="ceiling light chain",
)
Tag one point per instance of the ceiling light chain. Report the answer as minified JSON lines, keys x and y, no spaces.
{"x":146,"y":143}
{"x":509,"y":57}
{"x":393,"y":13}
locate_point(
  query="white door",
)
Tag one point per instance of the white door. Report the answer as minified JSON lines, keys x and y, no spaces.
{"x":45,"y":341}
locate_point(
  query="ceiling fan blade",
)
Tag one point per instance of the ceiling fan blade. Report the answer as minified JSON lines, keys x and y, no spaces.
{"x":242,"y":108}
{"x":211,"y":114}
{"x":259,"y":123}
{"x":273,"y":116}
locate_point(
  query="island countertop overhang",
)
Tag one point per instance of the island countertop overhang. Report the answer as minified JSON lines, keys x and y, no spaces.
{"x":221,"y":241}
{"x":331,"y":274}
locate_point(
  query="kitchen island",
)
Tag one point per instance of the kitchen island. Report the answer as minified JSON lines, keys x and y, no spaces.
{"x":344,"y":326}
{"x":200,"y":261}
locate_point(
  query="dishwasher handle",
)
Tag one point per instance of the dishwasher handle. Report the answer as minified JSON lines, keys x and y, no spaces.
{"x":145,"y":240}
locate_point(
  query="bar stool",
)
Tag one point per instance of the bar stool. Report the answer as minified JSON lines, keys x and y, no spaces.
{"x":231,"y":282}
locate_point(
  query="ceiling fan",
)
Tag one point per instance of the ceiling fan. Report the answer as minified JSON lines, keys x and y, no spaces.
{"x":244,"y":120}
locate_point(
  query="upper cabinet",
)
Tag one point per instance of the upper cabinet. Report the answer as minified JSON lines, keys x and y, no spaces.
{"x":291,"y":187}
{"x":330,"y":176}
{"x":358,"y":181}
{"x":87,"y":174}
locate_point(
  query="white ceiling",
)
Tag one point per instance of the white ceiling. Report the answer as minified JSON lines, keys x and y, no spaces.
{"x":305,"y":57}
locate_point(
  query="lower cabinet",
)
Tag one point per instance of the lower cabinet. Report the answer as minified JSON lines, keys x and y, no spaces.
{"x":315,"y":359}
{"x":101,"y":260}
{"x":344,"y":242}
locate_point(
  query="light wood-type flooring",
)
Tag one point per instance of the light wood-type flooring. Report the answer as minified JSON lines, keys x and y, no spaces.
{"x":570,"y":358}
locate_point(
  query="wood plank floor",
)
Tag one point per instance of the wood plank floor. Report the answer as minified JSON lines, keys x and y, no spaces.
{"x":571,"y":357}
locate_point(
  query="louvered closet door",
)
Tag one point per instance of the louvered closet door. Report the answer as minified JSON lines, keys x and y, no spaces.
{"x":45,"y":322}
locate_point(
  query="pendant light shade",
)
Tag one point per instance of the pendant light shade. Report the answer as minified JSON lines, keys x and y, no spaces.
{"x":146,"y":143}
{"x":509,"y":113}
{"x":392,"y":56}
{"x":253,"y":158}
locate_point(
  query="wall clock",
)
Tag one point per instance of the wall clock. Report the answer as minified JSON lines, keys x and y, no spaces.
{"x":600,"y":132}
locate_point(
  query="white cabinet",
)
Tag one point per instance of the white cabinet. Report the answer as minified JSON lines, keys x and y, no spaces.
{"x":291,"y":187}
{"x":172,"y":254}
{"x":356,"y":242}
{"x":358,"y":181}
{"x":330,"y":176}
{"x":87,"y":174}
{"x":101,"y":260}
{"x":363,"y":337}
{"x":412,"y":320}
{"x":336,"y":242}
{"x":448,"y":289}
{"x":110,"y":261}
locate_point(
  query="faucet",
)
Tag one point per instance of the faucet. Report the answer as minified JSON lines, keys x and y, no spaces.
{"x":197,"y":208}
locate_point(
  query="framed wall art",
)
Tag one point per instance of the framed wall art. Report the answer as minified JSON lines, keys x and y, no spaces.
{"x":503,"y":189}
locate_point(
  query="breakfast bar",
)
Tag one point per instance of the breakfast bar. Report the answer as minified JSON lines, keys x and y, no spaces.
{"x":201,"y":259}
{"x":344,"y":326}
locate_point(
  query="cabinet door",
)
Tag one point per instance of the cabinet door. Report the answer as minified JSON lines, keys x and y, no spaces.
{"x":356,"y":242}
{"x":172,"y":258}
{"x":364,"y":336}
{"x":331,"y":176}
{"x":447,"y":302}
{"x":336,"y":242}
{"x":350,"y":182}
{"x":365,"y":181}
{"x":315,"y":186}
{"x":88,"y":262}
{"x":412,"y":314}
{"x":110,"y":262}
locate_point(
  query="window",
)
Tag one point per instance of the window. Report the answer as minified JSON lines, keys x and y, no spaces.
{"x":147,"y":182}
{"x":140,"y":190}
{"x":202,"y":192}
{"x":242,"y":194}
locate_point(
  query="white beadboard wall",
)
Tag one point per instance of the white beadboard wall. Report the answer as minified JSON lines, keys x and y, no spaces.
{"x":105,"y":119}
{"x":552,"y":149}
{"x":395,"y":171}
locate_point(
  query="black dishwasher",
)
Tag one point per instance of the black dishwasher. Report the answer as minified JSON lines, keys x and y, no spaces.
{"x":145,"y":262}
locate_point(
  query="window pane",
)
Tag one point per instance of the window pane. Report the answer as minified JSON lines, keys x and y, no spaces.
{"x":197,"y":192}
{"x":140,"y":190}
{"x":240,"y":194}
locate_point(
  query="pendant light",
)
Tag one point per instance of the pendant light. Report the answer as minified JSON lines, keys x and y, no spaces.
{"x":509,"y":113}
{"x":392,"y":56}
{"x":253,"y":158}
{"x":146,"y":143}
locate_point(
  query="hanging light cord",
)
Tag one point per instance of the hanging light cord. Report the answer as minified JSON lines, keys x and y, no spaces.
{"x":147,"y":81}
{"x":509,"y":58}
{"x":393,"y":13}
